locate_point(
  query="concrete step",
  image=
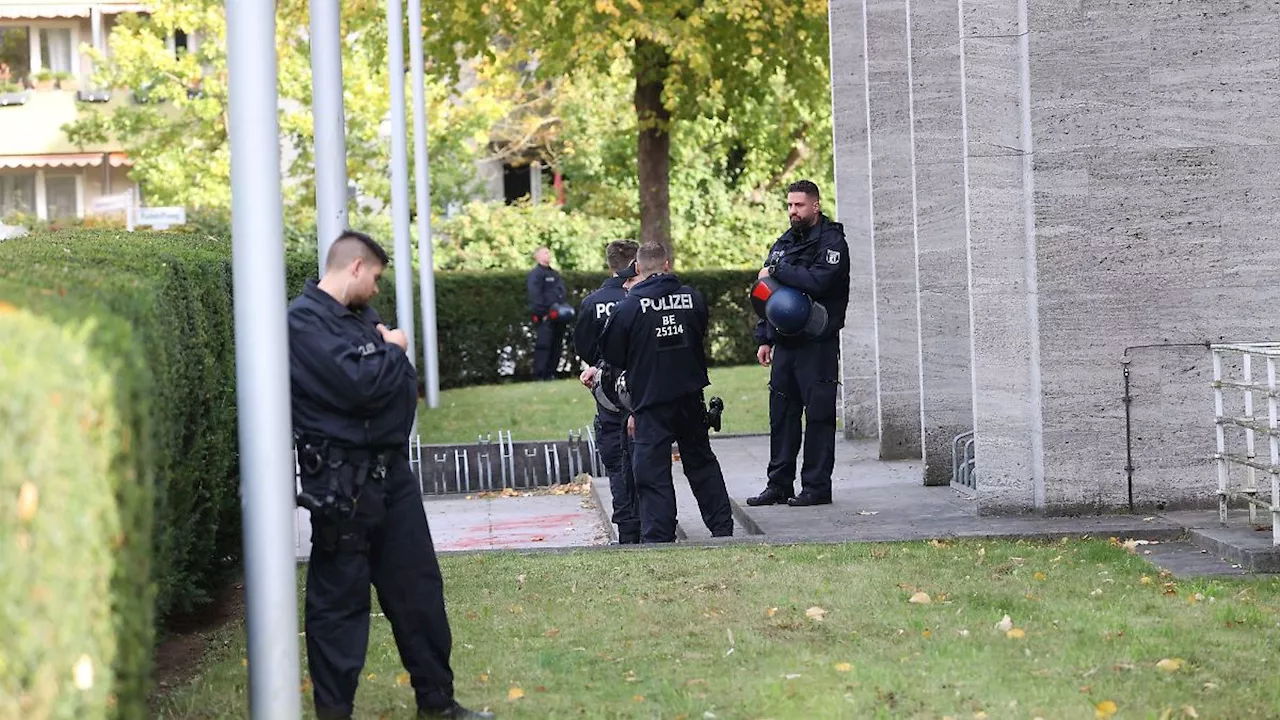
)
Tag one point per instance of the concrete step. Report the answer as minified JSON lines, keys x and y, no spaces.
{"x":1250,"y":548}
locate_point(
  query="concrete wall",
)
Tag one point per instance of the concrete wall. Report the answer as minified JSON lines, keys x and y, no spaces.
{"x":1114,"y":187}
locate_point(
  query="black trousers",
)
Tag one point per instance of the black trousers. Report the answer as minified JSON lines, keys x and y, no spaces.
{"x":547,"y":349}
{"x":614,"y":445}
{"x":658,"y":426}
{"x":399,"y":559}
{"x":803,"y":380}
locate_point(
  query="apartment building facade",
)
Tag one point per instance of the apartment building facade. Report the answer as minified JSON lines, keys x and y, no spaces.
{"x":45,"y":82}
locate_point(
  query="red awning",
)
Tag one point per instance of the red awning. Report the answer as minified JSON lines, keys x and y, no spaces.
{"x":80,"y":160}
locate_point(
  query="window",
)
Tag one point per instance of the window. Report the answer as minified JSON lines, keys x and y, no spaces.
{"x":15,"y":55}
{"x":17,"y":194}
{"x":61,"y":196}
{"x":55,"y":49}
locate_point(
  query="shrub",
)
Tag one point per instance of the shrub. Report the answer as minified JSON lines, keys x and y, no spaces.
{"x":486,"y":334}
{"x":173,"y":373}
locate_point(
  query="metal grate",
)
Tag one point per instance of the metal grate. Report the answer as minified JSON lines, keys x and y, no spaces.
{"x":1244,"y":355}
{"x":964,"y":462}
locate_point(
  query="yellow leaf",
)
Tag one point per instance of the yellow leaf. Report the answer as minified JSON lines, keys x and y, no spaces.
{"x":981,"y":715}
{"x":402,"y":679}
{"x":844,"y":667}
{"x":514,"y":694}
{"x":7,"y":308}
{"x":920,"y":598}
{"x":28,"y":501}
{"x":1016,"y":634}
{"x":1190,"y":711}
{"x":1146,"y":580}
{"x":1170,"y":664}
{"x":771,"y":612}
{"x":484,"y":677}
{"x":1040,"y":576}
{"x":815,"y":613}
{"x":637,"y":698}
{"x":1105,"y":709}
{"x":371,"y":676}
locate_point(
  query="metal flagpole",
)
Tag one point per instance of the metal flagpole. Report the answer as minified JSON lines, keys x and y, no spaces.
{"x":400,"y":173}
{"x":330,"y":132}
{"x":422,"y":178}
{"x":262,"y":361}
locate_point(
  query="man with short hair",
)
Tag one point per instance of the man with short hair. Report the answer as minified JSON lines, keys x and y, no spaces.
{"x":610,"y":419}
{"x":657,"y":335}
{"x":812,"y":257}
{"x":354,"y":396}
{"x":546,"y":292}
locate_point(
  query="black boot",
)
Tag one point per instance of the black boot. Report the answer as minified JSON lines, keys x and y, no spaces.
{"x":455,"y":711}
{"x":770,"y":496}
{"x":807,"y":500}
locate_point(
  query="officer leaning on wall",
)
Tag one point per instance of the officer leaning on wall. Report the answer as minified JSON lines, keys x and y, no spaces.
{"x":657,"y":336}
{"x":354,"y":396}
{"x":801,"y":295}
{"x":547,"y":294}
{"x":610,"y":422}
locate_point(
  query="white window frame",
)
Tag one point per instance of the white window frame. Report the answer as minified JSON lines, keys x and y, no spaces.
{"x":37,"y":58}
{"x":35,"y":201}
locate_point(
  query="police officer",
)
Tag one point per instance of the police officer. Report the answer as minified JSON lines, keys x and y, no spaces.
{"x":546,"y":296}
{"x":656,"y":334}
{"x":354,"y":397}
{"x":811,"y":257}
{"x":610,"y":419}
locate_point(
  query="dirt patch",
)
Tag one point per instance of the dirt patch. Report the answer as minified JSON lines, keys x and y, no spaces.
{"x":186,"y":636}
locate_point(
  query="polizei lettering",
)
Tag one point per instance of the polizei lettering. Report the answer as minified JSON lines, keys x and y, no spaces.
{"x":604,"y":309}
{"x":678,"y":301}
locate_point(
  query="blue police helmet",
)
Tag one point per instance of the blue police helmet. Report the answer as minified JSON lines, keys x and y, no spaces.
{"x":794,"y":313}
{"x":562,"y":313}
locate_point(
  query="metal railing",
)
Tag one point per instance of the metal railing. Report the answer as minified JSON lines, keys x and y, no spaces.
{"x":1252,"y":425}
{"x":964,"y":462}
{"x":521,"y":465}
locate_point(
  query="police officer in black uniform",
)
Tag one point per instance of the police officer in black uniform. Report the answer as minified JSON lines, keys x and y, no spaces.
{"x":354,"y":397}
{"x":610,"y":422}
{"x":656,"y":334}
{"x":811,"y":257}
{"x":546,"y":295}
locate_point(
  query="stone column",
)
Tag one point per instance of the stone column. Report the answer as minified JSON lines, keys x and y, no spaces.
{"x":851,"y":201}
{"x":1002,"y":256}
{"x":941,"y":231}
{"x":897,"y":306}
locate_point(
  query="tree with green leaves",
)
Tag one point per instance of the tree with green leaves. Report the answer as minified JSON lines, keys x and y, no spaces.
{"x":732,"y":61}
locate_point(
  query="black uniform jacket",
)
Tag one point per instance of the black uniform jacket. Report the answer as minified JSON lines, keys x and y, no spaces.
{"x":348,"y":384}
{"x":592,"y":316}
{"x":815,"y":262}
{"x":545,"y":288}
{"x":656,"y":333}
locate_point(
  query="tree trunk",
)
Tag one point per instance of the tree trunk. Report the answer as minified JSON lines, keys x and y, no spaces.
{"x":653,"y":154}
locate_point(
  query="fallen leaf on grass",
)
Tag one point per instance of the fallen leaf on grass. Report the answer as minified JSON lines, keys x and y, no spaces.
{"x":1105,"y":709}
{"x":28,"y":501}
{"x":791,"y":676}
{"x":815,"y":613}
{"x":939,"y":544}
{"x":514,"y":694}
{"x":1016,"y":634}
{"x":1040,"y":576}
{"x":1170,"y":664}
{"x":771,"y":612}
{"x":920,"y":598}
{"x":1005,"y":624}
{"x":484,"y":677}
{"x":1190,"y":711}
{"x":637,"y":698}
{"x":844,"y":667}
{"x":695,"y":681}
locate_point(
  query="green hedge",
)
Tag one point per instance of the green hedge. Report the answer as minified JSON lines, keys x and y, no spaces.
{"x":161,"y":308}
{"x":486,"y":335}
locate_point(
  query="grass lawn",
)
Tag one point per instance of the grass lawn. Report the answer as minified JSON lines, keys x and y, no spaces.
{"x":549,"y":410}
{"x":825,"y":632}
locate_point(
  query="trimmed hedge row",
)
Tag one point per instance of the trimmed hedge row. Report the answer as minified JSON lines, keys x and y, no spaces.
{"x":160,"y":308}
{"x":486,"y":334}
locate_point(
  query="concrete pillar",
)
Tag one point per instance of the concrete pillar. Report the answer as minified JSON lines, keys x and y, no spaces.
{"x":1008,"y":413}
{"x":897,"y":305}
{"x":852,"y":204}
{"x":940,"y":229}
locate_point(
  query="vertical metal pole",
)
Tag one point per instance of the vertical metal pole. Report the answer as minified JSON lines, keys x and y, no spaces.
{"x":1273,"y":427}
{"x":535,"y":182}
{"x":422,"y":180}
{"x":262,"y":361}
{"x":1221,"y":437}
{"x":330,"y":132}
{"x":1251,"y":453}
{"x":402,"y":257}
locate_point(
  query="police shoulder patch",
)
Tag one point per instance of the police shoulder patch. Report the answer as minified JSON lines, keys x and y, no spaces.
{"x":833,"y":257}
